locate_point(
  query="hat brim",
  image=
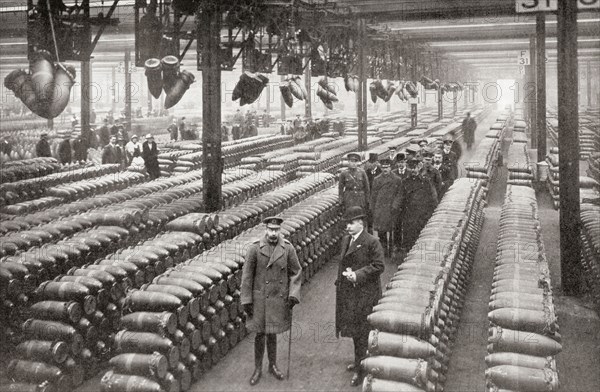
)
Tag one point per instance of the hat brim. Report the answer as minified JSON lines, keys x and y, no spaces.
{"x":351,"y":218}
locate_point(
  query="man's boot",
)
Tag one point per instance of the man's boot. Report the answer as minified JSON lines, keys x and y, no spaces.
{"x":272,"y":355}
{"x":259,"y":350}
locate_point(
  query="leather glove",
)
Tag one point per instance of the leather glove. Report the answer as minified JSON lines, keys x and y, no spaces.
{"x":249,"y":310}
{"x":292,"y":301}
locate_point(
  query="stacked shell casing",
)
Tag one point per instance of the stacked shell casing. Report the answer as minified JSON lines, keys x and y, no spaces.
{"x":190,"y":314}
{"x":416,"y":320}
{"x":524,"y":335}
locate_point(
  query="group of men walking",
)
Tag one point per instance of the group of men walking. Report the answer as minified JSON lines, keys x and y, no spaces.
{"x":399,"y":194}
{"x":396,"y":197}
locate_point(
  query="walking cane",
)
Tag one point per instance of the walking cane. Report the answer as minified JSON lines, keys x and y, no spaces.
{"x":290,"y":345}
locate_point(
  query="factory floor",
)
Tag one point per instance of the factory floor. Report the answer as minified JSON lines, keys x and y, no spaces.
{"x":319,"y":359}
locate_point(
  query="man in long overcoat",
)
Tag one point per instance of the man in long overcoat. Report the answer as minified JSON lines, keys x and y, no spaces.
{"x":385,"y":199}
{"x":64,"y":150}
{"x":271,"y":281}
{"x":150,"y":156}
{"x":417,"y":204}
{"x":42,"y":148}
{"x":354,"y":185}
{"x":469,"y":125}
{"x":358,"y":286}
{"x":400,"y":171}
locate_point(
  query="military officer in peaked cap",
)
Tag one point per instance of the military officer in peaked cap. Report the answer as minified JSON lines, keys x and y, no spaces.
{"x":411,"y":152}
{"x":431,"y":172}
{"x":358,"y":286}
{"x":353,"y":184}
{"x":385,"y":196}
{"x":271,"y":280}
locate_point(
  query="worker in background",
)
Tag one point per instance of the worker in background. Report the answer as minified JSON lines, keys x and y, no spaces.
{"x":181,"y":127}
{"x":385,"y":199}
{"x":74,"y":121}
{"x":224,"y":133}
{"x":354,"y":190}
{"x":42,"y":148}
{"x":269,"y":294}
{"x":64,"y":150}
{"x":266,"y":119}
{"x":297,"y":123}
{"x":93,"y":116}
{"x":111,"y":152}
{"x":104,"y":134}
{"x":417,"y":203}
{"x":172,"y":129}
{"x":150,"y":155}
{"x":358,"y":286}
{"x":79,"y":149}
{"x":431,"y":172}
{"x":469,"y":125}
{"x":5,"y":146}
{"x":133,"y":149}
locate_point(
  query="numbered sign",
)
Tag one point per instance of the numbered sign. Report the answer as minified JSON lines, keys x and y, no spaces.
{"x":552,"y":5}
{"x":121,"y":67}
{"x":523,"y":58}
{"x":522,"y":70}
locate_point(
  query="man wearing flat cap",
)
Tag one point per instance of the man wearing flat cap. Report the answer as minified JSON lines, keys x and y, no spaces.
{"x":271,"y":280}
{"x":353,"y":185}
{"x":358,"y":286}
{"x":385,"y":198}
{"x":417,"y":203}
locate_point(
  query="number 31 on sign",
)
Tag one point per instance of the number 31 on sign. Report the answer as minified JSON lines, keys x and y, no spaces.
{"x":552,"y":5}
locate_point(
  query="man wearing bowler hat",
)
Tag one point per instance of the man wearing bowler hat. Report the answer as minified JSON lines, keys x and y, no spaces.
{"x":271,"y":280}
{"x":372,"y":168}
{"x":358,"y":286}
{"x":385,"y":199}
{"x":400,"y":166}
{"x":354,"y":187}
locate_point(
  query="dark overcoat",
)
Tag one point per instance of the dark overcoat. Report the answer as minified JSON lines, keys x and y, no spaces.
{"x":270,"y":276}
{"x":417,"y":204}
{"x":385,"y":200}
{"x":355,"y":301}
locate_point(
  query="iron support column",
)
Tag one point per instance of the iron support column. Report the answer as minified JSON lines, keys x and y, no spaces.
{"x":541,"y":85}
